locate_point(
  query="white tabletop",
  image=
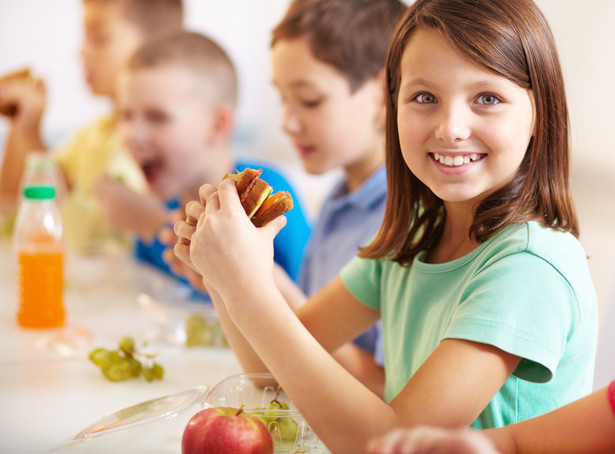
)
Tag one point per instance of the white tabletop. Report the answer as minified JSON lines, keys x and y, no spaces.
{"x":50,"y":391}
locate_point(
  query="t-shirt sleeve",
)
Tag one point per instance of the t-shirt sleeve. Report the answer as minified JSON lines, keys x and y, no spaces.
{"x":522,"y":305}
{"x":362,"y":279}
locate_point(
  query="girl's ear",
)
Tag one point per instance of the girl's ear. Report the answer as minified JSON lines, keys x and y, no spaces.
{"x":222,"y":124}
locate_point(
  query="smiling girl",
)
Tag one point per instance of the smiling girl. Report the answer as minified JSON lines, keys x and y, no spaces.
{"x":487,"y":306}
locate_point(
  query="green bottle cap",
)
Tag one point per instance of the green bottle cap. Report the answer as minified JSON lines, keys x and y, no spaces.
{"x":39,"y":192}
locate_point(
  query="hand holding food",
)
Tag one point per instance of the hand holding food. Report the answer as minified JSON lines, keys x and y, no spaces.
{"x":205,"y":244}
{"x":23,"y":96}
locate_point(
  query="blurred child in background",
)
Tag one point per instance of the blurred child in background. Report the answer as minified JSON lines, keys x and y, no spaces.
{"x":328,"y":62}
{"x":177,"y":100}
{"x":113,"y":30}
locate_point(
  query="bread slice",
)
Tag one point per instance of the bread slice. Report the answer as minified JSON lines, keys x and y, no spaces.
{"x":256,"y":199}
{"x":276,"y":205}
{"x":9,"y":109}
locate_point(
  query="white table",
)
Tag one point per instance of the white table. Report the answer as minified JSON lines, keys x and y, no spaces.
{"x":47,"y":396}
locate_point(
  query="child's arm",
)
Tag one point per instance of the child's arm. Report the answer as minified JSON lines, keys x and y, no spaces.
{"x":586,"y":425}
{"x":127,"y":210}
{"x":450,"y":389}
{"x":29,"y":99}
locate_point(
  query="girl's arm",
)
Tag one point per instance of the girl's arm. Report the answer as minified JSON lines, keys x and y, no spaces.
{"x":587,"y":425}
{"x":451,"y":388}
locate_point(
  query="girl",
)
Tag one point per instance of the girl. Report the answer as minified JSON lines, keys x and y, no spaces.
{"x":487,"y":306}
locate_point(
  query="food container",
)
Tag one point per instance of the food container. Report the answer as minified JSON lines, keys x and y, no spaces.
{"x":157,"y":426}
{"x":290,"y":432}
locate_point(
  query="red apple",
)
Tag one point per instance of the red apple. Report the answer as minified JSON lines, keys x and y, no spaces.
{"x":226,"y":430}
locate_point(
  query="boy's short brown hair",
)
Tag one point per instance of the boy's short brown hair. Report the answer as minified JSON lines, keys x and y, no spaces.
{"x":351,"y":35}
{"x":197,"y":53}
{"x":152,"y":17}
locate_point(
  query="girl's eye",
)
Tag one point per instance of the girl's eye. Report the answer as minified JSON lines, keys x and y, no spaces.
{"x":488,"y":100}
{"x":425,"y":98}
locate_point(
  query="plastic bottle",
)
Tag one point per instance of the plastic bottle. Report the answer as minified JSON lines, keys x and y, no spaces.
{"x":40,"y":259}
{"x":42,"y":170}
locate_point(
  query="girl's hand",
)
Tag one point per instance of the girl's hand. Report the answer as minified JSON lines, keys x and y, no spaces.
{"x":431,"y":440}
{"x":234,"y":257}
{"x":185,"y":229}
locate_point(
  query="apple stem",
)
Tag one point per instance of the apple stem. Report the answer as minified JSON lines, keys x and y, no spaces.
{"x":240,"y":411}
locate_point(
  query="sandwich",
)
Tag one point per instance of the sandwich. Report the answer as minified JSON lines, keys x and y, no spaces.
{"x":257,"y":198}
{"x":24,"y":75}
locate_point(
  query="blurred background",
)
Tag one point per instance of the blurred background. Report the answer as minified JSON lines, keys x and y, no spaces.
{"x":46,"y":36}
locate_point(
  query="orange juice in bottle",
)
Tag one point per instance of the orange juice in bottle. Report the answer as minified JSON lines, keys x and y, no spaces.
{"x":40,"y":256}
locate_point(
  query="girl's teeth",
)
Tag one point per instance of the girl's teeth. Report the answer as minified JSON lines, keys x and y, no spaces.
{"x":455,"y":161}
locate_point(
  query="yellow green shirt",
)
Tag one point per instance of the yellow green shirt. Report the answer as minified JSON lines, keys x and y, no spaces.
{"x":94,"y":151}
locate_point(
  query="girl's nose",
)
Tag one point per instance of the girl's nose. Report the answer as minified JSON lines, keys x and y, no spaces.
{"x":453,"y":124}
{"x":291,"y":124}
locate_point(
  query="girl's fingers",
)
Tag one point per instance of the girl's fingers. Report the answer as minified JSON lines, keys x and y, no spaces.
{"x":204,"y":192}
{"x":227,"y":195}
{"x":183,"y":230}
{"x":194,"y":210}
{"x":182,"y":251}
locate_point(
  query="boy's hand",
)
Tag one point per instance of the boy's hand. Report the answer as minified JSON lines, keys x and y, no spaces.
{"x":28,"y":98}
{"x":127,"y":210}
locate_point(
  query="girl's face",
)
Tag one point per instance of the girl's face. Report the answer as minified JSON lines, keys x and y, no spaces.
{"x":463,"y":130}
{"x":329,"y":125}
{"x":166,"y":124}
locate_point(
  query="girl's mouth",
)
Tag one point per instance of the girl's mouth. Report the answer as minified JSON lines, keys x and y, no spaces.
{"x":457,"y":160}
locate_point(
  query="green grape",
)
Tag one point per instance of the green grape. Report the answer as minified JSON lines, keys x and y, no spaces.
{"x":288,"y":430}
{"x":199,"y":331}
{"x":127,"y":345}
{"x":103,"y":357}
{"x":135,"y":365}
{"x":156,"y":372}
{"x":118,"y":371}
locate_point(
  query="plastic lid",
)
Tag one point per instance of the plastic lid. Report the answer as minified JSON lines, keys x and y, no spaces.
{"x":149,"y":412}
{"x":39,"y":192}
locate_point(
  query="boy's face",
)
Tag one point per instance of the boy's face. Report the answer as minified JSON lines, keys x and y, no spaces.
{"x":329,"y":125}
{"x":109,"y":41}
{"x":166,"y":124}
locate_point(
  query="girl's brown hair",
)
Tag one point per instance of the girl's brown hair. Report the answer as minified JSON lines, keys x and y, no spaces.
{"x":510,"y":38}
{"x":351,"y":35}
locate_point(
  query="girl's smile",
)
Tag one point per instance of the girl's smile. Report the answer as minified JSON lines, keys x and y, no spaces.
{"x":463,"y":130}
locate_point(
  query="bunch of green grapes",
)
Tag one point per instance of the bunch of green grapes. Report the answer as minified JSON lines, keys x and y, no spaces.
{"x":283,"y":429}
{"x":203,"y":332}
{"x":121,"y":364}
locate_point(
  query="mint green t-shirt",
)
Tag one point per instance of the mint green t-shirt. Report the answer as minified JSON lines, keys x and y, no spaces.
{"x":527,"y":291}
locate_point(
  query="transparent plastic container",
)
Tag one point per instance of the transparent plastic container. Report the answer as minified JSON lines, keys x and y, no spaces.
{"x":256,"y":392}
{"x":158,"y":425}
{"x":42,"y":170}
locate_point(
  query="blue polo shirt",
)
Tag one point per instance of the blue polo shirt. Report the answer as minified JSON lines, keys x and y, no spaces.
{"x":288,"y":245}
{"x":346,"y":221}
